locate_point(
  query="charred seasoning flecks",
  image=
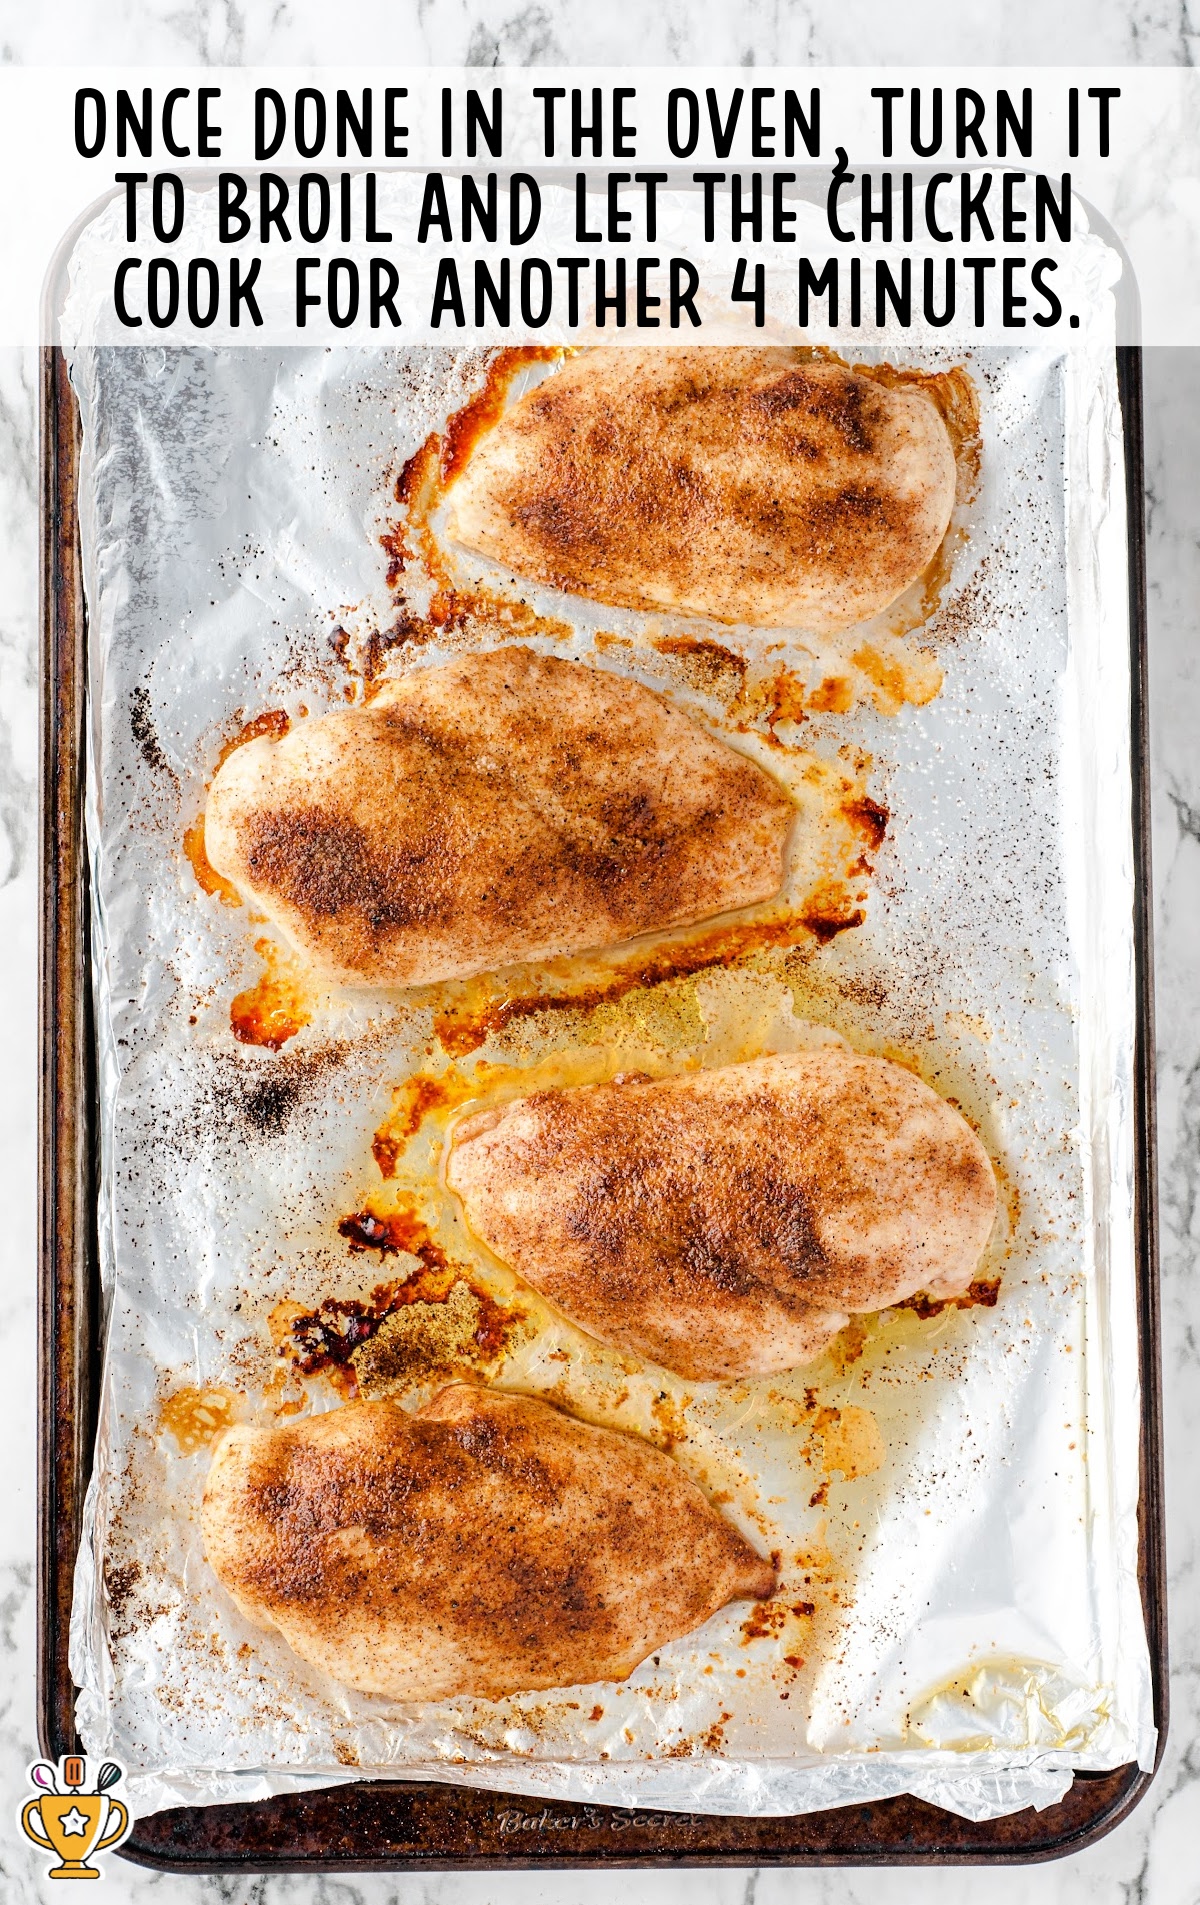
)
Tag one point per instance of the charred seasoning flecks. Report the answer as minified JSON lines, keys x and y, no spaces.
{"x":332,"y":1332}
{"x":141,"y":724}
{"x":120,"y":1586}
{"x":767,"y":1619}
{"x":254,"y":1100}
{"x":830,"y":910}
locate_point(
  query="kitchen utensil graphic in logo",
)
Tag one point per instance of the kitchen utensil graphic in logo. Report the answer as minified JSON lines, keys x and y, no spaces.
{"x":71,"y":1820}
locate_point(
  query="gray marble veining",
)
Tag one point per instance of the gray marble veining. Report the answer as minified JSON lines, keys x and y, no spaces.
{"x":578,"y":32}
{"x":1151,"y":1859}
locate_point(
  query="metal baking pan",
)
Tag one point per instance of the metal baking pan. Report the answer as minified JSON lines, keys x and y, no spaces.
{"x":390,"y":1826}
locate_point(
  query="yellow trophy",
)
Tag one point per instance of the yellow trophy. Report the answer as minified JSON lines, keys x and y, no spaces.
{"x":74,"y":1824}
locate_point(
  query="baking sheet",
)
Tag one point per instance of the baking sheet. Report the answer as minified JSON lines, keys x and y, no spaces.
{"x":976,"y":1628}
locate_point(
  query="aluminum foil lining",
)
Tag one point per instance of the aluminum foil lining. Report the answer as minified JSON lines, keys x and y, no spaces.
{"x":952,"y":1494}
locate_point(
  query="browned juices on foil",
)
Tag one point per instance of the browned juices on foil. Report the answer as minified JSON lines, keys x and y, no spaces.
{"x":463,"y":1024}
{"x":466,"y":426}
{"x":276,"y":1006}
{"x":195,"y":1417}
{"x":440,"y":1317}
{"x":412,"y":1103}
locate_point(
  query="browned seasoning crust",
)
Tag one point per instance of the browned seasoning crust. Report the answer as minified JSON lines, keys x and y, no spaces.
{"x":750,"y":485}
{"x":501,"y":807}
{"x":725,"y":1223}
{"x":487,"y":1545}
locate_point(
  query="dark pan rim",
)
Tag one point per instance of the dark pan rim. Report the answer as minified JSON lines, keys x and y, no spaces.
{"x":426,"y":1826}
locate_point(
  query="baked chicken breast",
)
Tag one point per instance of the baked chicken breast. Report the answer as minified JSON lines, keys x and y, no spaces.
{"x":501,"y":807}
{"x":487,"y":1545}
{"x":727,"y":1222}
{"x":746,"y":485}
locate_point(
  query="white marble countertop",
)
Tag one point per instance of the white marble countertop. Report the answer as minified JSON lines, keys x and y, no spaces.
{"x":1152,"y":1858}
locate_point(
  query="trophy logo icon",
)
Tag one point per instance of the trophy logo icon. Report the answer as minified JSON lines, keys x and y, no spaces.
{"x":71,"y":1819}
